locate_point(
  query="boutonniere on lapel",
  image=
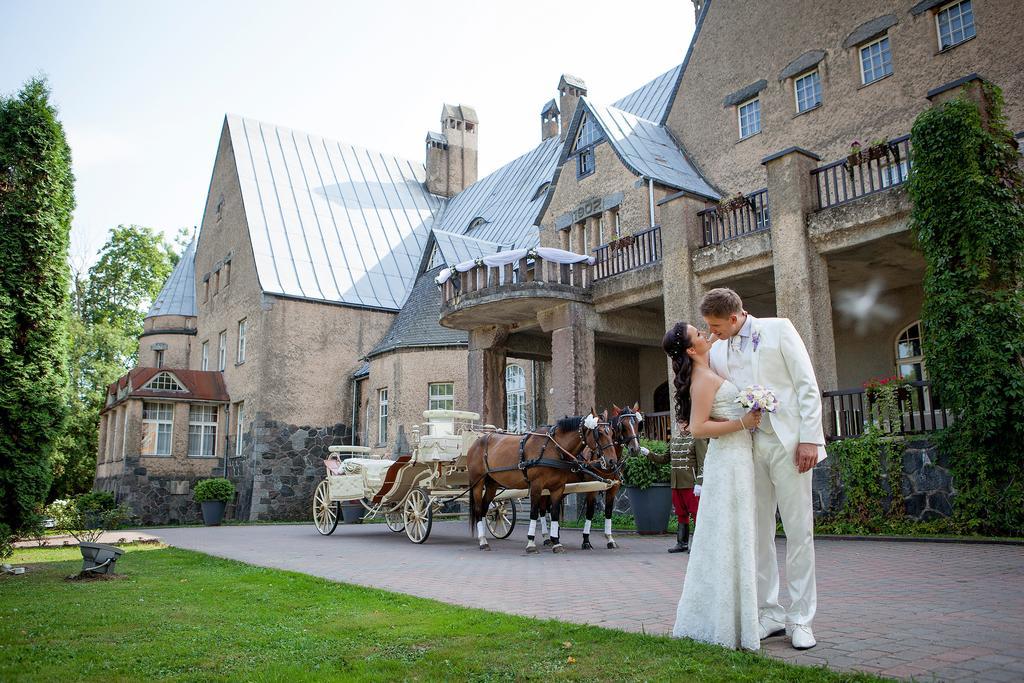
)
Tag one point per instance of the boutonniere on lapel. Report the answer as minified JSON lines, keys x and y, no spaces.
{"x":755,"y":339}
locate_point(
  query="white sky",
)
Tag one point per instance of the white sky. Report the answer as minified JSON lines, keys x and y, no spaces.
{"x":142,"y":87}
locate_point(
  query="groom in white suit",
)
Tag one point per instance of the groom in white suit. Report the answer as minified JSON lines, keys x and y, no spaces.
{"x":787,"y":446}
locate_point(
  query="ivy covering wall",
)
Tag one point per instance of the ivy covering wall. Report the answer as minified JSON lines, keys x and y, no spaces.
{"x":968,"y":217}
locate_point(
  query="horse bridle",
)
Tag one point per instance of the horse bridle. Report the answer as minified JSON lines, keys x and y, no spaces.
{"x":616,"y":422}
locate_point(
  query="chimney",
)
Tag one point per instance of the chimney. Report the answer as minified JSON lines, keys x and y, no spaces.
{"x":437,"y":164}
{"x":451,"y":154}
{"x":549,"y":121}
{"x":570,"y":89}
{"x":698,"y":5}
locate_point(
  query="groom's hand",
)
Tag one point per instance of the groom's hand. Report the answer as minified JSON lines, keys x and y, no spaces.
{"x":806,"y":457}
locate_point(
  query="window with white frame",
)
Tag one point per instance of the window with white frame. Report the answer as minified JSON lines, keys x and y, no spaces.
{"x":205,"y":363}
{"x":807,"y":89}
{"x":240,"y":355}
{"x":875,"y":61}
{"x":749,"y":114}
{"x":441,"y":396}
{"x":382,"y":416}
{"x":222,"y":351}
{"x":239,"y":426}
{"x":955,"y":24}
{"x":157,"y":428}
{"x":164,"y":381}
{"x":909,"y":353}
{"x":202,"y":430}
{"x":515,"y":398}
{"x":158,"y":358}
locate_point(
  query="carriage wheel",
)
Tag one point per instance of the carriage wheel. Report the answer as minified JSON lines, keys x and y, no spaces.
{"x":419,"y":516}
{"x":501,"y":518}
{"x":395,"y":520}
{"x":325,"y":513}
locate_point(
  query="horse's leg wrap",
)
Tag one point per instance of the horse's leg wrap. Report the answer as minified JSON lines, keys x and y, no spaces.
{"x":556,"y":545}
{"x":586,"y":536}
{"x":544,"y":530}
{"x":554,"y":534}
{"x":608,"y":533}
{"x":484,"y":545}
{"x":531,"y":547}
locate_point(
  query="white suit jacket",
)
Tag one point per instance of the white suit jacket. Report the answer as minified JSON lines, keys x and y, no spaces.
{"x":781,"y":363}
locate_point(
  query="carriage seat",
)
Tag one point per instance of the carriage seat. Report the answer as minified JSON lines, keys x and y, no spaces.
{"x":374,"y":470}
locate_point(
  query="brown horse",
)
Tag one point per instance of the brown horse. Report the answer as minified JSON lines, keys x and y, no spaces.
{"x":625,"y":424}
{"x":536,"y":461}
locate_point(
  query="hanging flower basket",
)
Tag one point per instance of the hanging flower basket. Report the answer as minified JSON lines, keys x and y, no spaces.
{"x":625,"y":241}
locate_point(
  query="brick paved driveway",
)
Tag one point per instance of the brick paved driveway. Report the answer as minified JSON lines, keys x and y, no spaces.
{"x":927,"y":610}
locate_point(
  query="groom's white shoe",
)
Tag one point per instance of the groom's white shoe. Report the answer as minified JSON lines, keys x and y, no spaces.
{"x":801,"y":636}
{"x":768,"y":627}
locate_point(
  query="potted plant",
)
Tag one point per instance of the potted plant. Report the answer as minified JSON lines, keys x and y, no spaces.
{"x":647,"y":485}
{"x":86,"y":517}
{"x":213,"y":495}
{"x":737,"y":201}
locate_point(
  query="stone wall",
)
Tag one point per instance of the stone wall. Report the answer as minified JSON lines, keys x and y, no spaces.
{"x":927,"y":485}
{"x":286,"y":463}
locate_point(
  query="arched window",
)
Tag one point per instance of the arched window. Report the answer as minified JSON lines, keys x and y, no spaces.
{"x":541,"y":191}
{"x":515,"y":398}
{"x":909,"y":354}
{"x":476,"y":223}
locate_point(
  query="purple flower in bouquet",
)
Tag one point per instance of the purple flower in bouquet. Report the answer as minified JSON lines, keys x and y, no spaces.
{"x":759,"y":398}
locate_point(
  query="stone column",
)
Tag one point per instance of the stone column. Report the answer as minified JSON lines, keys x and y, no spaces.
{"x":573,"y":363}
{"x":681,"y":236}
{"x":486,"y":373}
{"x":801,"y":273}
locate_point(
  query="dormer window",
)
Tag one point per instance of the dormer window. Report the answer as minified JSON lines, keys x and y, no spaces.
{"x":219,"y":210}
{"x":541,"y":191}
{"x":476,"y":223}
{"x":588,"y":136}
{"x":164,"y":381}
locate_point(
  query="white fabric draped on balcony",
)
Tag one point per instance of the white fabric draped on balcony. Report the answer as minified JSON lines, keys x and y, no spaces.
{"x":503,"y":258}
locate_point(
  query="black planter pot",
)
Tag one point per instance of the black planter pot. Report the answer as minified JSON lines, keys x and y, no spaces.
{"x":99,"y":558}
{"x":213,"y":512}
{"x":651,"y":508}
{"x":352,"y":512}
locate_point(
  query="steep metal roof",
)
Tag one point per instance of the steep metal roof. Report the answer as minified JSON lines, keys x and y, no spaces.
{"x":178,"y":296}
{"x":330,"y":221}
{"x":507,"y":200}
{"x":650,"y":101}
{"x":417,"y":324}
{"x":458,"y":248}
{"x":644,"y":146}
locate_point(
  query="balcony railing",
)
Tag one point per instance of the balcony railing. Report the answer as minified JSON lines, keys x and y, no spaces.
{"x":724,"y":222}
{"x":525,"y":270}
{"x":919,"y":412}
{"x":872,"y":170}
{"x":628,"y":252}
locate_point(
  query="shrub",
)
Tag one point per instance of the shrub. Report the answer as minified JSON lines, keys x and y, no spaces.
{"x":96,"y":501}
{"x":639,"y":472}
{"x":209,"y":490}
{"x":87,"y":516}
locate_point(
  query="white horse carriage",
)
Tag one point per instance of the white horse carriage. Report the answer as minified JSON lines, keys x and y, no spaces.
{"x":409,"y":492}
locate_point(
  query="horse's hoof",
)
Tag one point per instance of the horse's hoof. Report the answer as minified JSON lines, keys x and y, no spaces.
{"x":485,"y":546}
{"x":587,"y":546}
{"x":612,"y":545}
{"x":531,"y":550}
{"x":547,"y":542}
{"x":558,"y":548}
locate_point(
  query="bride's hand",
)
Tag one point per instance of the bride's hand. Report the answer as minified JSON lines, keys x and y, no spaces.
{"x":753,"y":419}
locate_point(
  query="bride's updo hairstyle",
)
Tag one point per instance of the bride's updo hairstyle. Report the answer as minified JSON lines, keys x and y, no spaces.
{"x":675,"y":344}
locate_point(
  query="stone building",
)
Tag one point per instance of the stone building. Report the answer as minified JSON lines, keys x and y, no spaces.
{"x":315,"y":264}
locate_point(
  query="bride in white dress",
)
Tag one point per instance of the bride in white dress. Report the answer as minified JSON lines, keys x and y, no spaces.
{"x":719,"y":600}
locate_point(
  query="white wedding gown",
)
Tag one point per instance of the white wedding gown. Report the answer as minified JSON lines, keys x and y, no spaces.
{"x":719,"y":601}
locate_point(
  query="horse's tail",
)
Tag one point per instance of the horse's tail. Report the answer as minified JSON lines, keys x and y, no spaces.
{"x":475,"y":479}
{"x":472,"y":508}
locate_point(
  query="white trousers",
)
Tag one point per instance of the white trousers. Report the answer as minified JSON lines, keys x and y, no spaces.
{"x":778,"y":484}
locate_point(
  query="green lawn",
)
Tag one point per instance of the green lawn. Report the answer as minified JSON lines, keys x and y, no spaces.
{"x":186,"y":616}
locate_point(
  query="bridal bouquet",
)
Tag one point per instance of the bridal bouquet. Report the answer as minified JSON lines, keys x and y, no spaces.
{"x":757,"y":397}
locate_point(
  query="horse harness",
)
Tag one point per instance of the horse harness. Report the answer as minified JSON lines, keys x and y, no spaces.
{"x":573,"y":464}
